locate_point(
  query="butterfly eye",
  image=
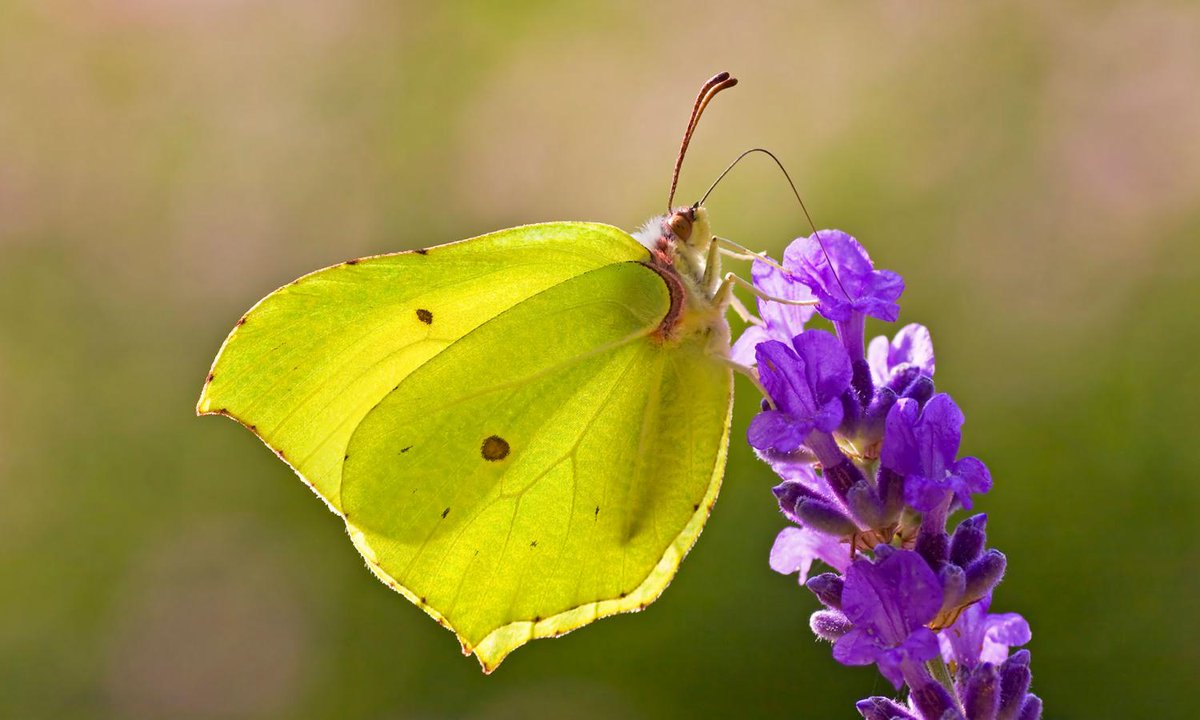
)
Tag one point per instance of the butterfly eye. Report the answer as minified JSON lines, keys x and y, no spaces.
{"x":681,"y":224}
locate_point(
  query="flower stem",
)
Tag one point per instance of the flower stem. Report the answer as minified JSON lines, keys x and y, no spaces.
{"x":937,"y":668}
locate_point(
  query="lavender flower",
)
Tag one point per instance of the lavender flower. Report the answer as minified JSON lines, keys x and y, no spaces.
{"x":848,"y":287}
{"x":978,"y":637}
{"x":796,"y":548}
{"x":889,"y":602}
{"x":868,"y":454}
{"x":921,"y":445}
{"x":896,"y":364}
{"x":805,"y":385}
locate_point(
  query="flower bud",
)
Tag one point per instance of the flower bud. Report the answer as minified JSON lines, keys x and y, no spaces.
{"x":871,"y":427}
{"x":981,"y":698}
{"x":860,"y":381}
{"x":880,"y":708}
{"x":865,"y":505}
{"x":1014,"y":684}
{"x":843,"y":476}
{"x":954,"y":584}
{"x":969,"y":538}
{"x":891,"y":491}
{"x":829,"y":624}
{"x":883,"y":552}
{"x":822,"y":516}
{"x":828,"y":589}
{"x":932,"y":700}
{"x":790,"y":492}
{"x":934,"y":547}
{"x":902,"y":376}
{"x":920,"y":390}
{"x":984,"y":574}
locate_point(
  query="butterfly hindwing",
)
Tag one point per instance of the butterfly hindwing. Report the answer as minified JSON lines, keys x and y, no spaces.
{"x":549,"y":468}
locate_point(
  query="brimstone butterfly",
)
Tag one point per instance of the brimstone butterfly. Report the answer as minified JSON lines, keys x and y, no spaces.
{"x":524,"y":431}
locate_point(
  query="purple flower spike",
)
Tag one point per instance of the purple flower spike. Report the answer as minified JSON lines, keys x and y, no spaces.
{"x":868,"y":455}
{"x":804,"y":381}
{"x":845,"y":281}
{"x":922,"y":444}
{"x":796,"y":548}
{"x":889,"y":602}
{"x":780,"y":322}
{"x":978,"y":637}
{"x":910,"y":350}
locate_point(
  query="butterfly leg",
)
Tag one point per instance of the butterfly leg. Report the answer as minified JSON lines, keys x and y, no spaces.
{"x":742,"y":311}
{"x":712,"y":267}
{"x":732,"y":249}
{"x":723,"y":296}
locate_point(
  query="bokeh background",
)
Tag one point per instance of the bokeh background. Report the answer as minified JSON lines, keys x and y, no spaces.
{"x":1032,"y":169}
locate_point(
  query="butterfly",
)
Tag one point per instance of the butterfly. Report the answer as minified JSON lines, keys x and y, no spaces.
{"x":524,"y":431}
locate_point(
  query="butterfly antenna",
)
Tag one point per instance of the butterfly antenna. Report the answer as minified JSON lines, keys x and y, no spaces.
{"x":708,"y":91}
{"x":795,"y":192}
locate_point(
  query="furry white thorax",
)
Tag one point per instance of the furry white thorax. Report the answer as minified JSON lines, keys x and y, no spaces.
{"x":650,"y":231}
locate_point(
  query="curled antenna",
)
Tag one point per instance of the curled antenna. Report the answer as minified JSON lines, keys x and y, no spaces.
{"x":795,"y":192}
{"x":708,"y":91}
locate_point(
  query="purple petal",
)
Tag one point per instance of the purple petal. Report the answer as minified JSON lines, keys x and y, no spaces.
{"x":893,"y":596}
{"x":943,"y":422}
{"x":742,"y":351}
{"x":978,"y":636}
{"x":783,"y":321}
{"x":911,"y":347}
{"x":774,"y":430}
{"x":878,"y":295}
{"x":829,"y":417}
{"x":796,"y":548}
{"x":878,"y":359}
{"x":840,"y":273}
{"x":827,"y":367}
{"x":796,"y":467}
{"x":891,"y":666}
{"x":921,"y":644}
{"x":972,"y":474}
{"x":782,"y":375}
{"x":856,"y":648}
{"x":1002,"y":632}
{"x":923,"y":494}
{"x":899,"y":451}
{"x":914,"y":346}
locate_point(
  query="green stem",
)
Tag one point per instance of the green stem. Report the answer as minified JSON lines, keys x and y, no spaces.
{"x":941,"y":673}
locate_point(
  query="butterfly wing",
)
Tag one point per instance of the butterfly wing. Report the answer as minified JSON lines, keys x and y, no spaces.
{"x":304,"y":366}
{"x":551,"y":467}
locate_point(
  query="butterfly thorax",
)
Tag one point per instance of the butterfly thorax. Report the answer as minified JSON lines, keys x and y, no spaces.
{"x":680,"y":247}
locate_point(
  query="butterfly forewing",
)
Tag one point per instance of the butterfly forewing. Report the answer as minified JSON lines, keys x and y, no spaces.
{"x":308,"y":362}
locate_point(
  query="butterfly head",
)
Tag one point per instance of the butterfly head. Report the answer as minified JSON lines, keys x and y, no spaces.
{"x":684,"y":230}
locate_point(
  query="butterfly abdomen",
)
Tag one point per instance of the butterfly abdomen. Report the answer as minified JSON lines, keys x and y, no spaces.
{"x":668,"y":329}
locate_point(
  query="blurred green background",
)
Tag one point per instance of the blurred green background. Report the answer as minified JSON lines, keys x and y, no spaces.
{"x":1032,"y":169}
